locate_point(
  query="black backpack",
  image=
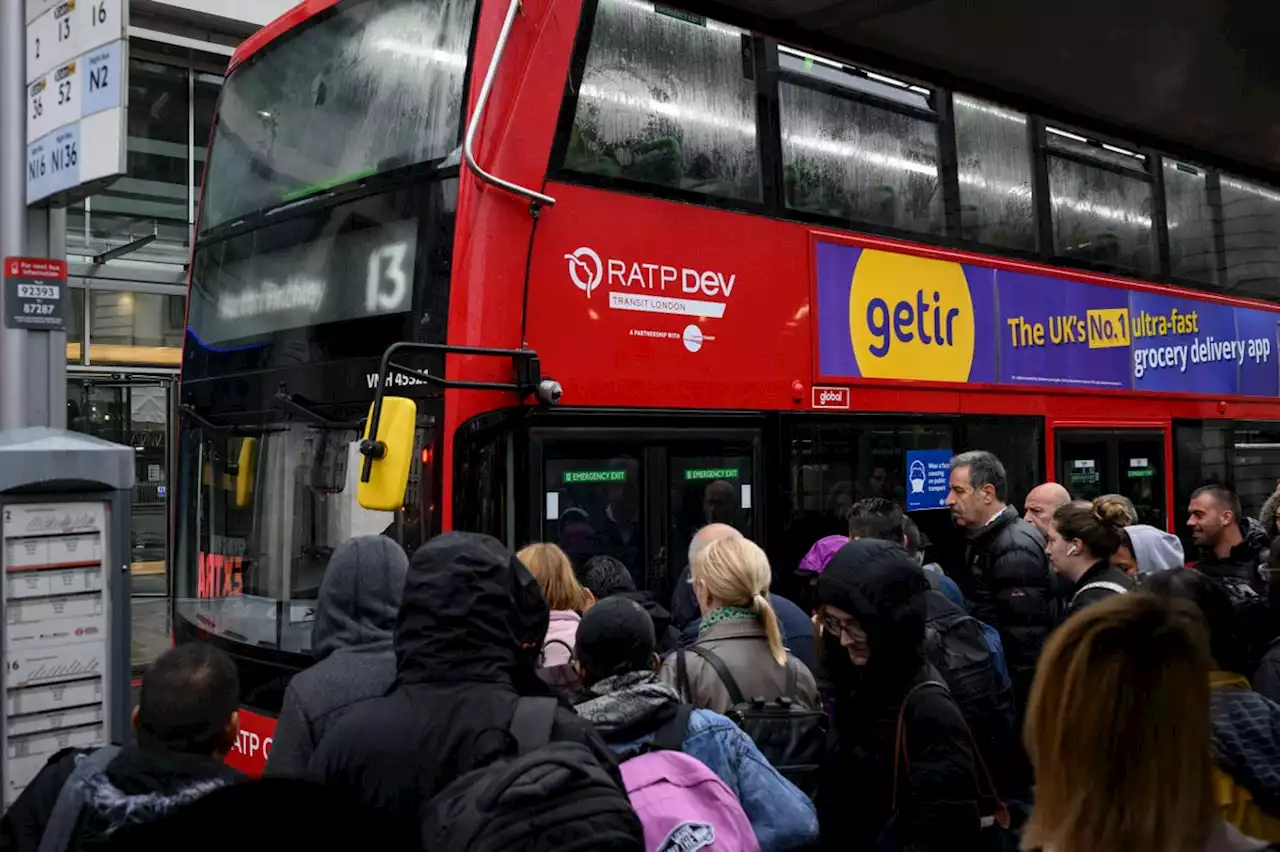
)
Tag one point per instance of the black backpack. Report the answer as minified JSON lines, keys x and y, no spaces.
{"x":1253,"y":619}
{"x":791,"y":737}
{"x":956,"y":646}
{"x":549,"y":795}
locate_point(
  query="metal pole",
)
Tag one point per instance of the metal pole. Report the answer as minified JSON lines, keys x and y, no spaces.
{"x":13,"y":199}
{"x":55,"y":342}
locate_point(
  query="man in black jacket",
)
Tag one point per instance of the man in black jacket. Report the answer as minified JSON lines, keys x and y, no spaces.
{"x":469,"y":634}
{"x":1214,"y":518}
{"x":186,"y":723}
{"x":1008,"y":573}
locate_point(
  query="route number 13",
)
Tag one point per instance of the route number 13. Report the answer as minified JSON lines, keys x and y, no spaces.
{"x":388,"y":284}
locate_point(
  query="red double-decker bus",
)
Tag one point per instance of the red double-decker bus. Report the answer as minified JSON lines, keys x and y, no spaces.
{"x":656,"y":269}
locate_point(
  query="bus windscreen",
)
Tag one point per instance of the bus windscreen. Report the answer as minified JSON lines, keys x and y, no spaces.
{"x":367,"y":88}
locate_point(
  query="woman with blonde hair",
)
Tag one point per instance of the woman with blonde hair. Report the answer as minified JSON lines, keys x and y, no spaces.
{"x":554,"y":572}
{"x":1117,"y":728}
{"x":739,"y":652}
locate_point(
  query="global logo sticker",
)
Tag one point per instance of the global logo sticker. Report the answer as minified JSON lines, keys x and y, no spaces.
{"x":585,"y":269}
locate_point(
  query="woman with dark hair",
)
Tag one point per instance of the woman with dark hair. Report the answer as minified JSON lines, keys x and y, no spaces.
{"x":1245,"y":725}
{"x":1082,"y":539}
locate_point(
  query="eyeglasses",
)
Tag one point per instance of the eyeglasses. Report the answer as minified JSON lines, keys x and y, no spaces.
{"x":836,"y":627}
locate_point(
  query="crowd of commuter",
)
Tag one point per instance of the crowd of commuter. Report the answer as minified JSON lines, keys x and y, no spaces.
{"x":1077,"y":682}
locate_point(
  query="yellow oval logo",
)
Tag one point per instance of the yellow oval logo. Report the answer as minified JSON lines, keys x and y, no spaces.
{"x":910,"y":318}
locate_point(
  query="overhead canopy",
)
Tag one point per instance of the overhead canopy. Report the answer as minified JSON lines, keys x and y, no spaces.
{"x":1184,"y":76}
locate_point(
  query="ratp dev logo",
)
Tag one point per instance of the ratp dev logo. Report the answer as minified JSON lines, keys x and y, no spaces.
{"x":585,"y":269}
{"x":911,"y":318}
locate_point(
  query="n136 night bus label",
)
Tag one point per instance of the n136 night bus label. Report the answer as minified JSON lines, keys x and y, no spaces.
{"x":892,"y":315}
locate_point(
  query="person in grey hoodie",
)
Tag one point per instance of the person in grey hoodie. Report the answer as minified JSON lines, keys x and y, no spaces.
{"x":351,"y":642}
{"x":1145,"y":550}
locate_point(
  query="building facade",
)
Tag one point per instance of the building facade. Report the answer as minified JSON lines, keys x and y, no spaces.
{"x":127,"y":253}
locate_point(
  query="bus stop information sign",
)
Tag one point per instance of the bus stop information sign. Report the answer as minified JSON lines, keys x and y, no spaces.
{"x":76,"y":96}
{"x":35,"y":293}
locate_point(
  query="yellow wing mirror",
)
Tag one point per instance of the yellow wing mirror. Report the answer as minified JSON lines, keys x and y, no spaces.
{"x":245,"y":471}
{"x":387,"y":453}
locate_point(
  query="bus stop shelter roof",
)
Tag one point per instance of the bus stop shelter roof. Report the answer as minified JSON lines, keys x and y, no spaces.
{"x":1189,"y":77}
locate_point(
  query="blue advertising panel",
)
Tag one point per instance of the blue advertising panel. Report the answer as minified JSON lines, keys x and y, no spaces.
{"x":928,"y":479}
{"x":888,"y":315}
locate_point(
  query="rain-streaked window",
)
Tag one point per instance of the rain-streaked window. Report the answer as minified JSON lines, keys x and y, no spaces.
{"x":993,"y":155}
{"x":848,"y":157}
{"x":372,"y":88}
{"x":1100,"y":198}
{"x":1186,"y":201}
{"x":1251,"y":228}
{"x":665,"y":99}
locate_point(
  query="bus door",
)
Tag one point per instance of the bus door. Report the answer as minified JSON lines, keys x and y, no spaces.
{"x":639,"y":495}
{"x":1129,"y":461}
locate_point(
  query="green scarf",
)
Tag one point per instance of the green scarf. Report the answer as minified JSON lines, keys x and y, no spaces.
{"x":726,"y":613}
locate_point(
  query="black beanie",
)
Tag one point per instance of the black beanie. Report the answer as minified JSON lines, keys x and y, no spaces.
{"x":615,"y":636}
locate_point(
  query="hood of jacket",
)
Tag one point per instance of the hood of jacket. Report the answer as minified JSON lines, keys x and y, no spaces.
{"x":1155,"y":549}
{"x":141,"y":786}
{"x":815,"y":561}
{"x":471,"y":612}
{"x":1255,"y":534}
{"x":628,"y":706}
{"x":359,"y":596}
{"x":883,"y":587}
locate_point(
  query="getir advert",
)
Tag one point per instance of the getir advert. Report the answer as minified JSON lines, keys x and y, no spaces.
{"x":889,"y":315}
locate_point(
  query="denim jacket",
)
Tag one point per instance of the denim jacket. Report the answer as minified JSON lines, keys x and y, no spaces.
{"x":782,"y":817}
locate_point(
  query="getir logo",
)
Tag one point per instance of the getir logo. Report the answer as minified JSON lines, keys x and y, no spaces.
{"x":910,"y":318}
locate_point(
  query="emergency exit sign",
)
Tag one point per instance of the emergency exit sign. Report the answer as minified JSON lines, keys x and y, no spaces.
{"x":705,"y":473}
{"x":577,"y":476}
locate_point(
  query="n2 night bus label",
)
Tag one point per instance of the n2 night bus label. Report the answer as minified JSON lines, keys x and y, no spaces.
{"x":899,"y":316}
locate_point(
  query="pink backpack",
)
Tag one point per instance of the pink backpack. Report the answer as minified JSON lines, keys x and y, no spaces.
{"x":683,"y":805}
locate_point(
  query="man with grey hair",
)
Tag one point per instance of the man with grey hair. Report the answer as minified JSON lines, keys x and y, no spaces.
{"x":1008,"y":572}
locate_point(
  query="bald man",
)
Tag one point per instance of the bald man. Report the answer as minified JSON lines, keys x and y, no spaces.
{"x":684,"y":603}
{"x":1042,"y":502}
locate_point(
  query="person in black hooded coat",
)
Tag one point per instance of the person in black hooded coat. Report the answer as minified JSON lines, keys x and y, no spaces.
{"x":872,"y":610}
{"x":466,"y":642}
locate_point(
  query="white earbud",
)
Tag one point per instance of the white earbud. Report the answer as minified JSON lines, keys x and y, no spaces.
{"x":1072,"y":551}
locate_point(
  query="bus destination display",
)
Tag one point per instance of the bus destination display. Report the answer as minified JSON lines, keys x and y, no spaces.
{"x":355,"y":274}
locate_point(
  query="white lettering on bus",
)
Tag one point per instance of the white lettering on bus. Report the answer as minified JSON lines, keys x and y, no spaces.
{"x":305,"y":294}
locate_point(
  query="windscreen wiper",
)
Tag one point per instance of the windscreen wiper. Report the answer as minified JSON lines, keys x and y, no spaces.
{"x":298,"y":407}
{"x":193,"y":413}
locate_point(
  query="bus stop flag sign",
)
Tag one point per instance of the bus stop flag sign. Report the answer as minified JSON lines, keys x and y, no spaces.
{"x":928,"y":479}
{"x":35,"y":293}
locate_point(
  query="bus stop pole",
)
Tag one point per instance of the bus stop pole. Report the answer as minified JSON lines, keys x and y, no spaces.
{"x":13,"y":201}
